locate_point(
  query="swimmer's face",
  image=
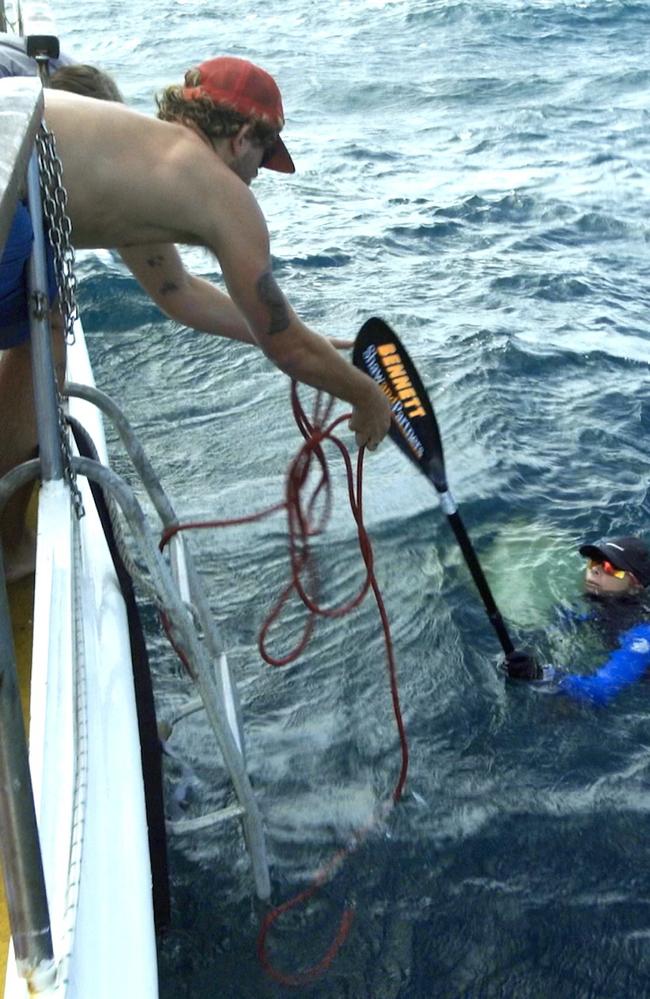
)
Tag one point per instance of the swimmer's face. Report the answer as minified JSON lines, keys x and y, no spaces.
{"x":604,"y":579}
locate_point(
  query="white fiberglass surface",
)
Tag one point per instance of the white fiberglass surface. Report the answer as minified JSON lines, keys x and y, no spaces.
{"x":85,"y":755}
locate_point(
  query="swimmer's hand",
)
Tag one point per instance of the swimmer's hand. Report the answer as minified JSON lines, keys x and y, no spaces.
{"x":370,"y":420}
{"x":522,"y":665}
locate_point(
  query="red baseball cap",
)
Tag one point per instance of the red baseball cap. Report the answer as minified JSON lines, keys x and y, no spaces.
{"x":242,"y":86}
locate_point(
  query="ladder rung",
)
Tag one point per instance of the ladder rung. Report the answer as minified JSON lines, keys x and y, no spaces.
{"x":179,"y":826}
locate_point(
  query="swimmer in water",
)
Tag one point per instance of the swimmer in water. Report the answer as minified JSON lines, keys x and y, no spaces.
{"x":617,"y":574}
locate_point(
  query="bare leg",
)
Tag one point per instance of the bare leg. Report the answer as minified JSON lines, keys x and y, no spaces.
{"x":18,"y":442}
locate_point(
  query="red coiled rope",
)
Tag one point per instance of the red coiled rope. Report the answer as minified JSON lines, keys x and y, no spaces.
{"x":300,"y":530}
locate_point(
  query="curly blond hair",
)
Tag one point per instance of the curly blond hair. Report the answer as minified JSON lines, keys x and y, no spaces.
{"x":214,"y":120}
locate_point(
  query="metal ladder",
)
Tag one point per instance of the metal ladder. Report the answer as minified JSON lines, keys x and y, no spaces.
{"x":182,"y":597}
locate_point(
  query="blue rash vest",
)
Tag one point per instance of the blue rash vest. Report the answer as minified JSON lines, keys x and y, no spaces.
{"x":625,"y":666}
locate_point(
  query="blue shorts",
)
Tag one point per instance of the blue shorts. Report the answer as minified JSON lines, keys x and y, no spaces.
{"x":14,"y":263}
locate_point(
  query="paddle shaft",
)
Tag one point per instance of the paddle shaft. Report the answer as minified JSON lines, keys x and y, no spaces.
{"x":449,"y":507}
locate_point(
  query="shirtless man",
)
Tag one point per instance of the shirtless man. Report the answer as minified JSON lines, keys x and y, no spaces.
{"x":139,"y":185}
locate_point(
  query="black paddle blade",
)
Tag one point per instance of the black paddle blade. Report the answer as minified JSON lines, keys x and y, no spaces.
{"x":379,"y":352}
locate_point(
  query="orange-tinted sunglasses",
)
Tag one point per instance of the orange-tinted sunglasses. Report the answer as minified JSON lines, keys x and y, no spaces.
{"x":607,"y":568}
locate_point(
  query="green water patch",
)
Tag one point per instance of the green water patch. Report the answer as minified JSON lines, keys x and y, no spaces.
{"x":531,"y":568}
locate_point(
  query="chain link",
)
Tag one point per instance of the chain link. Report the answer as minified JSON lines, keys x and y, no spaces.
{"x":59,"y":231}
{"x":59,"y":228}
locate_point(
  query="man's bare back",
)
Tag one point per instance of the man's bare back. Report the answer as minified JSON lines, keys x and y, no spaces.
{"x":134,"y":181}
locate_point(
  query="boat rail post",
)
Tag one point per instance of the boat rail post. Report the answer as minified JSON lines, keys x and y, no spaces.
{"x":19,"y":845}
{"x":20,"y":852}
{"x":43,"y":369}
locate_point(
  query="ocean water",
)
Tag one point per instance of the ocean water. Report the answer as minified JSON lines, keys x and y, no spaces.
{"x":477,"y":173}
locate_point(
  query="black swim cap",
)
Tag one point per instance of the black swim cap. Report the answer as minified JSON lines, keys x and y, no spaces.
{"x":629,"y":553}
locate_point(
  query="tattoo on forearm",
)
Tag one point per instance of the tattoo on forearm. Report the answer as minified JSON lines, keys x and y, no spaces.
{"x":271,"y":296}
{"x":156,"y":261}
{"x":168,"y":287}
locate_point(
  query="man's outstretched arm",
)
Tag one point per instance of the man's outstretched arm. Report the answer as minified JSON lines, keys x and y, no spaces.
{"x":241,"y":244}
{"x":309,"y":357}
{"x":190,"y":300}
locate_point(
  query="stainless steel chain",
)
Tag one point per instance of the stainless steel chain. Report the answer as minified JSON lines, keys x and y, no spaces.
{"x":69,"y":473}
{"x":59,"y":230}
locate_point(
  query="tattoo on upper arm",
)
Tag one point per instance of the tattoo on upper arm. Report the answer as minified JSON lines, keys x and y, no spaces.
{"x":167,"y":287}
{"x":271,"y":296}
